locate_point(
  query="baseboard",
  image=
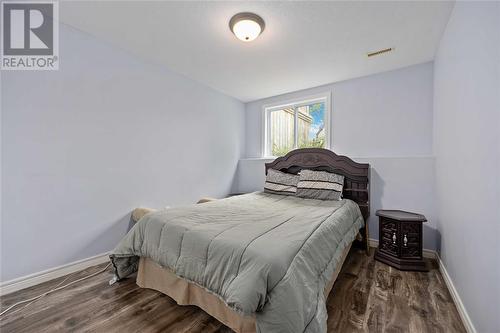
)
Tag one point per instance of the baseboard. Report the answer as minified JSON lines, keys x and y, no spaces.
{"x":427,"y":253}
{"x":23,"y":282}
{"x":449,"y":284}
{"x":456,"y":298}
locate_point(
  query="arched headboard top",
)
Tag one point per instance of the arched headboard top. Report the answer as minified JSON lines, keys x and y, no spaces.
{"x":314,"y":158}
{"x":356,"y":175}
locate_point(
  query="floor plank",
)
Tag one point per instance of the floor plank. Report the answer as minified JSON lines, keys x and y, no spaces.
{"x":368,"y":297}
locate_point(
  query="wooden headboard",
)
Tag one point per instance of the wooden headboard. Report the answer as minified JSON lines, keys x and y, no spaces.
{"x":356,"y":175}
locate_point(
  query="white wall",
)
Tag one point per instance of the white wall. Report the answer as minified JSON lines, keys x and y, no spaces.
{"x":467,"y":149}
{"x":83,"y":146}
{"x":383,"y":119}
{"x":382,"y":115}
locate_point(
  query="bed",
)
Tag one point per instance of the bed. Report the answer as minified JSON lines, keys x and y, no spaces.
{"x":258,"y":262}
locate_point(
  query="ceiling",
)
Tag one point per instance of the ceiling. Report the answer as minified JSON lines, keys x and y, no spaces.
{"x":305,"y":44}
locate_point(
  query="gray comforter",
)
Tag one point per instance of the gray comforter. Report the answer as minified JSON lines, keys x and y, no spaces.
{"x":261,"y":253}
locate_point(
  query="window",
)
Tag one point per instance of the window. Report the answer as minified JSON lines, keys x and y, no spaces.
{"x":301,"y":124}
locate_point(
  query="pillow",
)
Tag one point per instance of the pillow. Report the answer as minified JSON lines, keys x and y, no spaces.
{"x":320,"y":185}
{"x":278,"y":182}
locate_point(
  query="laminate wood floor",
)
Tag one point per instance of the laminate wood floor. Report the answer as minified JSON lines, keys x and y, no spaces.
{"x":368,"y":297}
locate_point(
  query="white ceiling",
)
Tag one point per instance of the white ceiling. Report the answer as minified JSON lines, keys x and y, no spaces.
{"x":305,"y":44}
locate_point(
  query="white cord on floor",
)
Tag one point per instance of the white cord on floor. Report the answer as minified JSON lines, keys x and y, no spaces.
{"x":36,"y":299}
{"x":31,"y":300}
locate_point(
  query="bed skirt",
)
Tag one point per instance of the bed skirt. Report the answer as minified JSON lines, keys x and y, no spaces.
{"x":153,"y":276}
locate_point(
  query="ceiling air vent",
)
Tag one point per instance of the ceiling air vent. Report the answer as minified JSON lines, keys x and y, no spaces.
{"x":379,"y":52}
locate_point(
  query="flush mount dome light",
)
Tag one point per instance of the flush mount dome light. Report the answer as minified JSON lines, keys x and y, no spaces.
{"x":246,"y":26}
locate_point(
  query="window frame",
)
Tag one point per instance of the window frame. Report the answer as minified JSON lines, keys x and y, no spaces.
{"x":295,"y":103}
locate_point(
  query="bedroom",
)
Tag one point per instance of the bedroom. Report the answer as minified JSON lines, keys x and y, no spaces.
{"x":334,"y":123}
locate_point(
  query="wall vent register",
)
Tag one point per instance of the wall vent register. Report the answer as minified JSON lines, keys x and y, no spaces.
{"x":379,"y":52}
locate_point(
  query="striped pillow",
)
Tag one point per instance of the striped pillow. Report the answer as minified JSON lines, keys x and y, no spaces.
{"x":278,"y":182}
{"x":320,"y":185}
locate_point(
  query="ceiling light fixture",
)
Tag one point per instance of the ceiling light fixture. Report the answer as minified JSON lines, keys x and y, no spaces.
{"x":246,"y":26}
